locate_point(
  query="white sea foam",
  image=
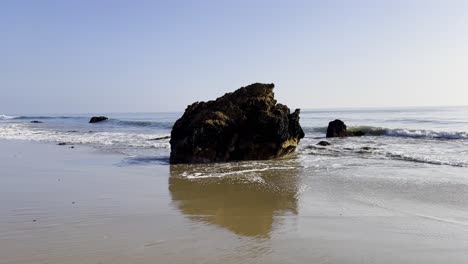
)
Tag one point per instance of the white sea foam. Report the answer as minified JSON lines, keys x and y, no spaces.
{"x":410,"y":133}
{"x":400,"y":132}
{"x":450,"y":153}
{"x":418,"y":158}
{"x":3,"y":117}
{"x":426,"y":134}
{"x":24,"y":132}
{"x":200,"y":175}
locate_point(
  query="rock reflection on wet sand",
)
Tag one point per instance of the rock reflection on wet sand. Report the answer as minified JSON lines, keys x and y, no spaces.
{"x":246,"y":205}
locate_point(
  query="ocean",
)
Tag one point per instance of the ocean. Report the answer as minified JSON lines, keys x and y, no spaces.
{"x":436,"y":136}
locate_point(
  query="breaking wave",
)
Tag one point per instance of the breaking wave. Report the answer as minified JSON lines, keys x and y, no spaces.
{"x":47,"y":117}
{"x":84,"y":120}
{"x":427,"y":134}
{"x":166,"y":125}
{"x":405,"y":133}
{"x":3,"y":117}
{"x":23,"y":132}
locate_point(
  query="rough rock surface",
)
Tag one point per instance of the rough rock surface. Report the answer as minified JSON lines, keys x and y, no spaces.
{"x":247,"y":124}
{"x":96,"y":119}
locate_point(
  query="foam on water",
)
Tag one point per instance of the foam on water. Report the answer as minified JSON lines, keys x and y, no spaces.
{"x":429,"y":152}
{"x":426,"y":134}
{"x":436,"y":136}
{"x":252,"y":172}
{"x":3,"y":117}
{"x":425,"y":159}
{"x":397,"y":132}
{"x":25,"y":132}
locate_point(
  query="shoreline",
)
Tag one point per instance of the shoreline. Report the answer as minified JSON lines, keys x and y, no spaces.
{"x":78,"y":205}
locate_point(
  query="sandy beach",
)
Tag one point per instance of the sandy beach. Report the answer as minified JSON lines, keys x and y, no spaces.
{"x":80,"y":205}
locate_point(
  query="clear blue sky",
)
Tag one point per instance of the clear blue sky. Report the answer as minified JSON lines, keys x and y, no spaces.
{"x":126,"y":56}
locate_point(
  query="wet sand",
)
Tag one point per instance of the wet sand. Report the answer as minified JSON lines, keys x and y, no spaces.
{"x":63,"y":205}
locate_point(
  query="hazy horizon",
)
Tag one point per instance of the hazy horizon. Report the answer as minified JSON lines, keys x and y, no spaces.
{"x":160,"y":56}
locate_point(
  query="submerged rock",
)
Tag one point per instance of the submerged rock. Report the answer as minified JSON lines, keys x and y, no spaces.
{"x":96,"y":119}
{"x":338,"y":128}
{"x":247,"y":124}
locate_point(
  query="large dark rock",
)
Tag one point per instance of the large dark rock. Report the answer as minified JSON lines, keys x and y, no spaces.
{"x":96,"y":119}
{"x":247,"y":124}
{"x":336,"y":128}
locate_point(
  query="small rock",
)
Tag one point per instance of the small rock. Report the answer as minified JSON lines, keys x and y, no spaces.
{"x":72,"y":147}
{"x":368,"y":148}
{"x":324,"y":143}
{"x":96,"y":119}
{"x":336,"y":128}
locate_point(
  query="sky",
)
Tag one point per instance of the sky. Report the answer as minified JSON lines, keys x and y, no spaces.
{"x":150,"y":56}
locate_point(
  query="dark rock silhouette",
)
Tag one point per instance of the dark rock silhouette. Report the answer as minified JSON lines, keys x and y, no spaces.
{"x":338,"y":128}
{"x":159,"y":138}
{"x":36,"y":122}
{"x":324,"y":143}
{"x":96,"y":119}
{"x":247,"y":124}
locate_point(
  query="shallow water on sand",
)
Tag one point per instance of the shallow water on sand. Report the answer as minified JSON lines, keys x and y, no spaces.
{"x":63,"y":205}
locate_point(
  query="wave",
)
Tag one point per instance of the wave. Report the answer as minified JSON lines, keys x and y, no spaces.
{"x":166,"y":125}
{"x":120,"y":139}
{"x":405,"y":133}
{"x":315,"y":129}
{"x":48,"y":117}
{"x":111,"y":121}
{"x":3,"y":117}
{"x":426,"y":160}
{"x":429,"y":134}
{"x":366,"y":152}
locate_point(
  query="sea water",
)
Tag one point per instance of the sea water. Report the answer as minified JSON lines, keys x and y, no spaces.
{"x":436,"y":136}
